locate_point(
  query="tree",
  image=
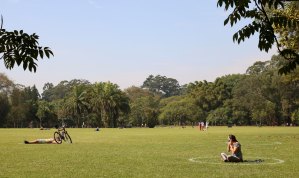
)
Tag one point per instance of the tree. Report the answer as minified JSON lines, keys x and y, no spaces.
{"x":61,"y":113}
{"x":162,"y":85}
{"x":180,"y":110}
{"x":6,"y":88}
{"x":145,"y":111}
{"x":289,"y":36}
{"x":210,"y":96}
{"x":43,"y":109}
{"x":136,"y":92}
{"x":203,"y":93}
{"x":6,"y":85}
{"x":31,"y":97}
{"x":17,"y":47}
{"x":51,"y":92}
{"x":295,"y":117}
{"x":4,"y":108}
{"x":18,"y":111}
{"x":267,"y":18}
{"x":110,"y":102}
{"x":77,"y":103}
{"x":257,"y":68}
{"x":219,"y":116}
{"x":143,"y":104}
{"x":47,"y":92}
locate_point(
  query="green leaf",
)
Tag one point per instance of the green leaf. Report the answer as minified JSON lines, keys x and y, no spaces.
{"x":47,"y":53}
{"x":226,"y":21}
{"x":51,"y":52}
{"x":25,"y":62}
{"x":34,"y":54}
{"x":235,"y":37}
{"x":41,"y":53}
{"x":231,"y":18}
{"x":219,"y":3}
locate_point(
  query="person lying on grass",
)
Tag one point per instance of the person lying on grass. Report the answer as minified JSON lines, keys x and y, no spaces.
{"x":41,"y":141}
{"x":44,"y":128}
{"x":234,"y":147}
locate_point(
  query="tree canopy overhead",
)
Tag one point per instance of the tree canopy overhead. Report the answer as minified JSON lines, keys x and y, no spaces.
{"x":17,"y":47}
{"x":269,"y":18}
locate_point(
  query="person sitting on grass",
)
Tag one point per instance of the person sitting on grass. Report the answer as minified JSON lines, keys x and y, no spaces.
{"x":234,"y":147}
{"x":41,"y":141}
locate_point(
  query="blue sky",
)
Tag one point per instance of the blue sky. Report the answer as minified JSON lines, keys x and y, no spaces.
{"x":125,"y":41}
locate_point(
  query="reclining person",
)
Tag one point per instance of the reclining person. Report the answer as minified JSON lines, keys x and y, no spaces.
{"x":41,"y":141}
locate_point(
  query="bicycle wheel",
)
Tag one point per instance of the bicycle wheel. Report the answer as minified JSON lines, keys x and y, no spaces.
{"x":57,"y":137}
{"x":67,"y":138}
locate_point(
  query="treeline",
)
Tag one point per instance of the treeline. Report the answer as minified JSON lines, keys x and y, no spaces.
{"x":258,"y":97}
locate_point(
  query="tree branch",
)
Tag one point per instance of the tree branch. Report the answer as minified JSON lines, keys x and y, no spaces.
{"x":262,"y":9}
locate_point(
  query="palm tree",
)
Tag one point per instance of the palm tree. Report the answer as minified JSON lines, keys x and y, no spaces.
{"x":109,"y":101}
{"x":77,"y":102}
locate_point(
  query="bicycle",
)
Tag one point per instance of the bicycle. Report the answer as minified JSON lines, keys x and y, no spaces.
{"x":61,"y":134}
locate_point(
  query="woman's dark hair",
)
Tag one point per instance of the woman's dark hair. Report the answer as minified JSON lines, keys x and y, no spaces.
{"x":233,"y":138}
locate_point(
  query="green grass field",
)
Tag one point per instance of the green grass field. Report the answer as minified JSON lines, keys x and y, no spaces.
{"x":144,"y":152}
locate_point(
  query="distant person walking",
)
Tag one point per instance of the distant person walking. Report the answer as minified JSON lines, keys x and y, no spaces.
{"x":207,"y":125}
{"x":202,"y":126}
{"x":199,"y":125}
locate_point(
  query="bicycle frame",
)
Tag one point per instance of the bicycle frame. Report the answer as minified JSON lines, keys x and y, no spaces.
{"x":62,"y":134}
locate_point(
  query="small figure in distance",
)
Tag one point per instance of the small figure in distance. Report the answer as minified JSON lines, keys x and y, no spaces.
{"x":41,"y":141}
{"x":207,"y":125}
{"x":234,"y":147}
{"x":42,"y":128}
{"x":97,"y":129}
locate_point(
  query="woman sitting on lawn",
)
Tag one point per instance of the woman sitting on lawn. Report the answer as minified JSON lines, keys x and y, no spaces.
{"x":234,"y":147}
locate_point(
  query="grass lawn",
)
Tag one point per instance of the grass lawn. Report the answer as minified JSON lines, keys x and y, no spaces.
{"x":144,"y":152}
